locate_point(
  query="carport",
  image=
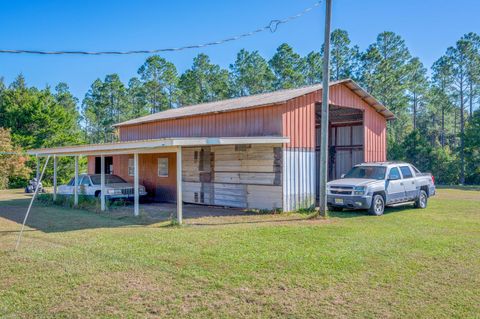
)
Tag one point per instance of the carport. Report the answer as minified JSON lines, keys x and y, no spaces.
{"x":164,"y":145}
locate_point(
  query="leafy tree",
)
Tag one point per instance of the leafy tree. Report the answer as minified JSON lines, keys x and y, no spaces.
{"x":13,"y":162}
{"x":288,"y":68}
{"x":160,"y":81}
{"x":250,"y":74}
{"x":203,"y":82}
{"x":312,"y":70}
{"x":418,"y":151}
{"x":344,"y":59}
{"x":36,"y":118}
{"x":445,"y":166}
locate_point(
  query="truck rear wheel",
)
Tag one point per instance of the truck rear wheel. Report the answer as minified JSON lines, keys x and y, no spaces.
{"x":422,"y":200}
{"x":378,"y":205}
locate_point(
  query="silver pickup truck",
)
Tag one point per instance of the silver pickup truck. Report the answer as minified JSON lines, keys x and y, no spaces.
{"x":372,"y":186}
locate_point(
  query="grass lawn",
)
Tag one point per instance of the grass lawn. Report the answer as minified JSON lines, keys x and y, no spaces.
{"x":407,"y":263}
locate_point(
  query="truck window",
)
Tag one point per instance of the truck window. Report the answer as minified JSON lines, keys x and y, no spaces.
{"x":406,"y":172}
{"x":415,"y":170}
{"x":394,"y":173}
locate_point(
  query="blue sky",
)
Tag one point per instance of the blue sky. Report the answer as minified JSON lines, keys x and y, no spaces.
{"x":428,"y":27}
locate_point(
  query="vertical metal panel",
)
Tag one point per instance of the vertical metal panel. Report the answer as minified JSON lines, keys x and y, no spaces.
{"x":375,"y":136}
{"x":344,"y":135}
{"x":298,"y":179}
{"x":263,"y":121}
{"x":357,"y":135}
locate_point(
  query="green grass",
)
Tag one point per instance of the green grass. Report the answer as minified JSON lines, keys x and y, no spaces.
{"x":407,"y":263}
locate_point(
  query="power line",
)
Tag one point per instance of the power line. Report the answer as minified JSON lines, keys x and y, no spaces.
{"x":272,"y":26}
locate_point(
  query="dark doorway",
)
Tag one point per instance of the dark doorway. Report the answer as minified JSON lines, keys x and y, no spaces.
{"x":108,"y":165}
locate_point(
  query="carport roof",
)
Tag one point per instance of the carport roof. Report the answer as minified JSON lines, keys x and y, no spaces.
{"x":154,"y":145}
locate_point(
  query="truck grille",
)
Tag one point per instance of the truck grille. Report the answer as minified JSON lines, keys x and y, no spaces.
{"x":341,"y":190}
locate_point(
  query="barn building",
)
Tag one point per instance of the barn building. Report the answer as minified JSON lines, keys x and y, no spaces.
{"x":258,"y":151}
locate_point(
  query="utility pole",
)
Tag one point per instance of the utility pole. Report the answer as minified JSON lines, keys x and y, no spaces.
{"x":323,"y":171}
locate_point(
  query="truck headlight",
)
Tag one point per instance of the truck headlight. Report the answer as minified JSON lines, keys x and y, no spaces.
{"x":114,"y":191}
{"x":359,"y":190}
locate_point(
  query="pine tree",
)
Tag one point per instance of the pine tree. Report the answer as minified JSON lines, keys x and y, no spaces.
{"x":344,"y":60}
{"x":250,"y":74}
{"x":312,"y":70}
{"x":203,"y":82}
{"x":105,"y":104}
{"x":441,"y":98}
{"x":160,"y":80}
{"x":288,"y":68}
{"x":417,"y":87}
{"x":459,"y":57}
{"x":385,"y":70}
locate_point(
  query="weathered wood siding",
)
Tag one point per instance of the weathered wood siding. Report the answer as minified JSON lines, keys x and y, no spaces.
{"x":245,"y":176}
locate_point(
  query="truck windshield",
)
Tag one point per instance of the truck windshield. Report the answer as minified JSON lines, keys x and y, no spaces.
{"x":109,"y":179}
{"x":369,"y":172}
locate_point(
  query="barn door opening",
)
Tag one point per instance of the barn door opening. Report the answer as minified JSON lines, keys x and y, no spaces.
{"x":345,"y":146}
{"x":108,"y":165}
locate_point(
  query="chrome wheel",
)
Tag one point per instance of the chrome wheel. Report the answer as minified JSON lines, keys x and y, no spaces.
{"x":378,"y":205}
{"x":422,"y":200}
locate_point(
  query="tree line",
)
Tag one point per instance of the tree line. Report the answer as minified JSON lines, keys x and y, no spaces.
{"x":437,"y":117}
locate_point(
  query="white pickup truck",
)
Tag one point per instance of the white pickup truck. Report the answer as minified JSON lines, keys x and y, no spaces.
{"x":372,"y":186}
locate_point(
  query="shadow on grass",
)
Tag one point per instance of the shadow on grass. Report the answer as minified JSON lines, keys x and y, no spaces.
{"x":360,"y":213}
{"x":51,"y":218}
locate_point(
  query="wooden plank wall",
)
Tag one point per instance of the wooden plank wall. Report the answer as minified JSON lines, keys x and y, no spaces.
{"x":244,"y":176}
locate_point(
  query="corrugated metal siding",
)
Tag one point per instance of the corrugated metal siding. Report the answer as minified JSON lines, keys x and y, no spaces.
{"x":264,"y":121}
{"x":298,"y":178}
{"x":299,"y":122}
{"x":375,"y":145}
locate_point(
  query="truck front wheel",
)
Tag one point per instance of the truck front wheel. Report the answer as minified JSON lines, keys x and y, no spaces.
{"x":378,"y":205}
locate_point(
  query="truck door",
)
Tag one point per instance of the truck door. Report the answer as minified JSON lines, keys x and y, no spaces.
{"x":394,"y":187}
{"x":409,"y":182}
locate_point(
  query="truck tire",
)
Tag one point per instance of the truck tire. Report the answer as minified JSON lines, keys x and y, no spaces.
{"x":378,"y":205}
{"x":422,"y":200}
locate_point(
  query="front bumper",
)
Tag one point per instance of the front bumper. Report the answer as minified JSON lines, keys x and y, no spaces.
{"x":350,"y":201}
{"x":125,"y":196}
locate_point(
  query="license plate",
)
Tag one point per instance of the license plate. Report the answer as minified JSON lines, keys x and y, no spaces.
{"x":338,"y":200}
